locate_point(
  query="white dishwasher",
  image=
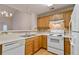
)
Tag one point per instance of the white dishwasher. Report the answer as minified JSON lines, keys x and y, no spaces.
{"x":14,"y":48}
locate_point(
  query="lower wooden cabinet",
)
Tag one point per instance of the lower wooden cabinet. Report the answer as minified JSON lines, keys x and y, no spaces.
{"x":33,"y":44}
{"x":29,"y":46}
{"x":36,"y":43}
{"x":0,"y":49}
{"x":40,"y":41}
{"x":67,"y":46}
{"x":44,"y":41}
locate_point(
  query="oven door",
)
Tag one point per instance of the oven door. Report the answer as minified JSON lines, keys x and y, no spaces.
{"x":56,"y":42}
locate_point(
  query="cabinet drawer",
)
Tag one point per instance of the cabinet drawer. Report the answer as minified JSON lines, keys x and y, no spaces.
{"x":29,"y":42}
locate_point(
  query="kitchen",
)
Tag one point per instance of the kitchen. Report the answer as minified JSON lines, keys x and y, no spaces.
{"x":36,"y":29}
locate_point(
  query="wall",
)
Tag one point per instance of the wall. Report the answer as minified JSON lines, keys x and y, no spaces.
{"x":24,"y":21}
{"x":7,"y":21}
{"x":34,"y":22}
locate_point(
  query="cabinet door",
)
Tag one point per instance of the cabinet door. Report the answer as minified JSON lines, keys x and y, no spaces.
{"x":67,"y":17}
{"x":0,"y":49}
{"x":67,"y":49}
{"x":36,"y":44}
{"x":43,"y":22}
{"x":29,"y":47}
{"x":40,"y":41}
{"x":44,"y":41}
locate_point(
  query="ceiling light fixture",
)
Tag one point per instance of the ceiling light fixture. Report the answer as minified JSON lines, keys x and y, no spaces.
{"x":5,"y":13}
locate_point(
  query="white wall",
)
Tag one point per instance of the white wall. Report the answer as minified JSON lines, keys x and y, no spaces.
{"x":24,"y":21}
{"x":34,"y":21}
{"x":7,"y":21}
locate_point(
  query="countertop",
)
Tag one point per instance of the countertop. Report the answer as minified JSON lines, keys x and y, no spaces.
{"x":5,"y":38}
{"x":67,"y":36}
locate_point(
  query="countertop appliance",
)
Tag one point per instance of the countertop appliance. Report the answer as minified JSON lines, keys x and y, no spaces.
{"x":56,"y":42}
{"x":14,"y":48}
{"x":75,"y":30}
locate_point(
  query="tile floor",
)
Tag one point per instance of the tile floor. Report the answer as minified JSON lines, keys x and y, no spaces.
{"x":43,"y":52}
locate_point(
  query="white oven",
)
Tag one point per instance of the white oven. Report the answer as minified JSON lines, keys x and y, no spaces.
{"x":56,"y":44}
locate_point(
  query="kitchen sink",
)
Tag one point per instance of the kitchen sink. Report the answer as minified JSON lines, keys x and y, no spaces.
{"x":27,"y":35}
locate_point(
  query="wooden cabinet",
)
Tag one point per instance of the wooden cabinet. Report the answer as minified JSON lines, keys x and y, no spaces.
{"x":36,"y":44}
{"x":67,"y":18}
{"x":29,"y":46}
{"x":33,"y":44}
{"x":40,"y":41}
{"x":0,"y":49}
{"x":44,"y":41}
{"x":43,"y":22}
{"x":67,"y":46}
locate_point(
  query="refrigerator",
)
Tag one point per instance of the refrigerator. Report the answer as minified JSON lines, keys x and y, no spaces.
{"x":75,"y":30}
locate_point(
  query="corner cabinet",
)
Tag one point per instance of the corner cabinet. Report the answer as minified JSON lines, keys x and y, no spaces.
{"x":67,"y":46}
{"x":33,"y":44}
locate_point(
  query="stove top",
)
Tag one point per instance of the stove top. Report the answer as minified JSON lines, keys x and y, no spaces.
{"x":57,"y":35}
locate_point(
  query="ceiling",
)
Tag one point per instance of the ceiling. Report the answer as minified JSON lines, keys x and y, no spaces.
{"x":35,"y":8}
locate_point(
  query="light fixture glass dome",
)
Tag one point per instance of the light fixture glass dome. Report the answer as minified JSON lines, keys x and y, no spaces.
{"x":5,"y":13}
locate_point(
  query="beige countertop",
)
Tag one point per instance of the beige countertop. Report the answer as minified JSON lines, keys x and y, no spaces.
{"x":67,"y":36}
{"x":5,"y":38}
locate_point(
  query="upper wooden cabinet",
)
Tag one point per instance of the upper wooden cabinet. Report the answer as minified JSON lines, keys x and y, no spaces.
{"x":43,"y":22}
{"x":67,"y":17}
